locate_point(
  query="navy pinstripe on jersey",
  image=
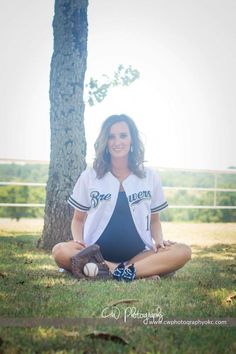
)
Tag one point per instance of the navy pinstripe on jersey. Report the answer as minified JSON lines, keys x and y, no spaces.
{"x":159,"y":208}
{"x":76,"y":205}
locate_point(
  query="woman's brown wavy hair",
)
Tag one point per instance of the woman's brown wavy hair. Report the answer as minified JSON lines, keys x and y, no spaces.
{"x":102,"y":162}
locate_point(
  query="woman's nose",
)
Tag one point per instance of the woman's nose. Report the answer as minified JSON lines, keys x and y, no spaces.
{"x":117,"y":141}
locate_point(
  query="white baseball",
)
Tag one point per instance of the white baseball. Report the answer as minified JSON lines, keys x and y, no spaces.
{"x":90,"y":269}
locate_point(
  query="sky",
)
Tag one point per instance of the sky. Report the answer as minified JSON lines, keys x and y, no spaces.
{"x":183,"y":104}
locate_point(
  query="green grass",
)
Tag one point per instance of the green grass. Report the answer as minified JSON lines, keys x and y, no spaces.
{"x":32,"y":287}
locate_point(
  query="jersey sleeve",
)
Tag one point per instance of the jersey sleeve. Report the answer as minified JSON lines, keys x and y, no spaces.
{"x":158,"y":202}
{"x":79,"y":199}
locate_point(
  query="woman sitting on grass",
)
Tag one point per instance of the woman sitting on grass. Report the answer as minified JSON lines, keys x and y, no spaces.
{"x":116,"y":222}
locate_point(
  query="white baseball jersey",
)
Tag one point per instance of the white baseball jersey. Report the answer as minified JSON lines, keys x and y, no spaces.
{"x":98,"y":197}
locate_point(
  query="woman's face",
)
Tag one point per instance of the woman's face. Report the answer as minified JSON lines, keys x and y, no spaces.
{"x":119,"y":140}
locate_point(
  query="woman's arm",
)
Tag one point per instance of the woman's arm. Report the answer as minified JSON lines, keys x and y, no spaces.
{"x":77,"y":226}
{"x":156,"y":231}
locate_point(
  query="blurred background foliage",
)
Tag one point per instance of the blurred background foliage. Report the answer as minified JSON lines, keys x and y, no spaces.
{"x":171,"y":178}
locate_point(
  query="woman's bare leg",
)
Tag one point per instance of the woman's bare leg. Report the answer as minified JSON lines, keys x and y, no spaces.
{"x":166,"y":260}
{"x":146,"y":263}
{"x":63,"y":251}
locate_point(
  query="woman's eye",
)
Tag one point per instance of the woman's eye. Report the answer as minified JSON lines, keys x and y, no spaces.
{"x":123,"y":136}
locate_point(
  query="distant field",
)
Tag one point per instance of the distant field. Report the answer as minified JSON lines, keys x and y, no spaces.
{"x":204,"y":234}
{"x":23,"y":225}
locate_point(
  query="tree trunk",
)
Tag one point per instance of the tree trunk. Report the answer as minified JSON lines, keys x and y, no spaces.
{"x":68,"y":144}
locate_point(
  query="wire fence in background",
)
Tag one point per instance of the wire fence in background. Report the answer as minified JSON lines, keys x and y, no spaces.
{"x":214,"y":189}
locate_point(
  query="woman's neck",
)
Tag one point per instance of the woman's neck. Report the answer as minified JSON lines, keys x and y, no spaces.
{"x":120,"y":169}
{"x":120,"y":165}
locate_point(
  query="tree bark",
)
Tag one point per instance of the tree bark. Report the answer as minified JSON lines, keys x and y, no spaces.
{"x":68,"y":144}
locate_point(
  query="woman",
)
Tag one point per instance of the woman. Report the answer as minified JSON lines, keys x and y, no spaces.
{"x":116,"y":222}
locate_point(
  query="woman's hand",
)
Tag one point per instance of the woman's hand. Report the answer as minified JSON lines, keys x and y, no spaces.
{"x":162,"y":244}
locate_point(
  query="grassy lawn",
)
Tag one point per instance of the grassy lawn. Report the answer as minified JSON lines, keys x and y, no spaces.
{"x":32,"y":287}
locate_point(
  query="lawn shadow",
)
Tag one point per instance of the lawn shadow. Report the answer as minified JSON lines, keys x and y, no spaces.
{"x":216,"y":262}
{"x":32,"y":285}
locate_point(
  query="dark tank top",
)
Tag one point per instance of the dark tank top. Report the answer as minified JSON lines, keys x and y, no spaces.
{"x":120,"y":240}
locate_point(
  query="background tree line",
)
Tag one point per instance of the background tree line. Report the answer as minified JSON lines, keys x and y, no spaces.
{"x":39,"y":173}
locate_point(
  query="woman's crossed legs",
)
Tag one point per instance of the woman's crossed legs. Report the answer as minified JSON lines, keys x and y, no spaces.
{"x":146,"y":263}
